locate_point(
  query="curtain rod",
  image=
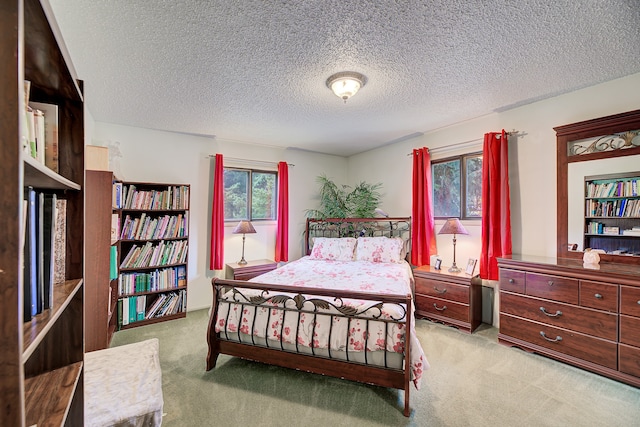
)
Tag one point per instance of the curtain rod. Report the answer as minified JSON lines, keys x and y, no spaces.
{"x":261,"y":162}
{"x":461,"y":144}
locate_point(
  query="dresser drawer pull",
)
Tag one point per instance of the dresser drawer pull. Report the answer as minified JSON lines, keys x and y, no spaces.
{"x":435,"y":288}
{"x":557,"y":313}
{"x":550,"y":282}
{"x":438,"y":308}
{"x":598,"y":296}
{"x":639,"y":302}
{"x":511,"y":281}
{"x":556,"y":339}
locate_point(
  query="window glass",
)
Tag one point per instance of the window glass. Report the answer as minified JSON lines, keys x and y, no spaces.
{"x":249,"y":194}
{"x":263,"y":195}
{"x":457,"y":187}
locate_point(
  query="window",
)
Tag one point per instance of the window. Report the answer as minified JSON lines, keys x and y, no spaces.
{"x":457,"y":186}
{"x":249,"y":194}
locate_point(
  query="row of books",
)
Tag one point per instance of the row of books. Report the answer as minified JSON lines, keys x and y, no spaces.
{"x":43,"y":241}
{"x":147,"y":228}
{"x":622,"y":208}
{"x":157,"y":280}
{"x":634,"y":231}
{"x":41,"y":131}
{"x":128,"y":197}
{"x":149,"y":255}
{"x":134,"y":309}
{"x":627,"y":188}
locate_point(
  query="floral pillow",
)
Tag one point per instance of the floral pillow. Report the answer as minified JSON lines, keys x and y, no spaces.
{"x":333,"y":249}
{"x":379,"y":249}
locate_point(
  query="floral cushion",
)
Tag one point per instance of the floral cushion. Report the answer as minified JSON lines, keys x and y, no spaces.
{"x":333,"y":249}
{"x":379,"y":249}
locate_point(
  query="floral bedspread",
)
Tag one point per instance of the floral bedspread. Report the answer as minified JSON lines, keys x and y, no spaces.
{"x":327,"y":331}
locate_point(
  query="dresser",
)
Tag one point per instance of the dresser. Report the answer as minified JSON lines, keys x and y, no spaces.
{"x":249,"y":270}
{"x":586,"y":317}
{"x":454,"y":299}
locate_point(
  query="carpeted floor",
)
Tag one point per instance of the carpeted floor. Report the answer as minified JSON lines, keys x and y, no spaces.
{"x":473,"y":381}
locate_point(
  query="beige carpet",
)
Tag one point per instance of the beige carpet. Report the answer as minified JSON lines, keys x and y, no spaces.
{"x":473,"y":381}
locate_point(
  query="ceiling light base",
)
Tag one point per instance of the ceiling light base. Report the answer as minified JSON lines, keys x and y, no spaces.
{"x":346,"y":83}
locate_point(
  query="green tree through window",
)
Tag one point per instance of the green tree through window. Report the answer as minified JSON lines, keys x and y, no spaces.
{"x":249,"y":194}
{"x":457,"y":186}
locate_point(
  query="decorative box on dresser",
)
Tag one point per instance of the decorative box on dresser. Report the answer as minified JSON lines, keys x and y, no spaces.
{"x":454,"y":299}
{"x":586,"y":317}
{"x":249,"y":270}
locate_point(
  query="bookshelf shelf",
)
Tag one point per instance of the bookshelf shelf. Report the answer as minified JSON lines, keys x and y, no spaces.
{"x":612,"y":213}
{"x":42,"y":285}
{"x":153,"y":226}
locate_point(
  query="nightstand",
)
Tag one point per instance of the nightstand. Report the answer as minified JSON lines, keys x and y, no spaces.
{"x":454,"y":299}
{"x":249,"y":270}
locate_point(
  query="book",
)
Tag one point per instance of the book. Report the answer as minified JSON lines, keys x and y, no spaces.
{"x":117,"y":195}
{"x":50,"y":133}
{"x":60,"y":242}
{"x":49,"y":223}
{"x":113,"y":263}
{"x":38,"y":123}
{"x":115,"y":228}
{"x":30,"y":258}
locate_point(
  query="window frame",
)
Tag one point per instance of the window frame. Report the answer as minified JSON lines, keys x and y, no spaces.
{"x":463,"y":161}
{"x":249,"y":211}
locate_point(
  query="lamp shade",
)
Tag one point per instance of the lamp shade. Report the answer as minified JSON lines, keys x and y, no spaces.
{"x":453,"y":226}
{"x":244,"y":227}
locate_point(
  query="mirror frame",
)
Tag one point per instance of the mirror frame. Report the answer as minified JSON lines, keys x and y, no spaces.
{"x":581,"y":130}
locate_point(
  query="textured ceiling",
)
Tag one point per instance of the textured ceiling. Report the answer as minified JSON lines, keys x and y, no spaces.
{"x":255,"y":70}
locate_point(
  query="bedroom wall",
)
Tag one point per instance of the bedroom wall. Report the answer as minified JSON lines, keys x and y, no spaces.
{"x":146,"y":155}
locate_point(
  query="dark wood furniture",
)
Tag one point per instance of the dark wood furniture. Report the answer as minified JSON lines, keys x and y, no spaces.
{"x":585,"y":317}
{"x":249,"y":270}
{"x":454,"y":299}
{"x":154,"y":202}
{"x":362,"y":372}
{"x":99,"y":290}
{"x":609,"y":137}
{"x":41,"y":361}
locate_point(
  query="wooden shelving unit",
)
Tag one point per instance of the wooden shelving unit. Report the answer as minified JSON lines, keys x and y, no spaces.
{"x":41,"y":361}
{"x":169,"y":201}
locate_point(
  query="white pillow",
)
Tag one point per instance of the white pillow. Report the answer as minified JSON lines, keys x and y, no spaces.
{"x":333,"y":249}
{"x":379,"y":249}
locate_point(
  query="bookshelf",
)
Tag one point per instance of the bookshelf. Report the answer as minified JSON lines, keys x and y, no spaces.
{"x":41,"y":360}
{"x":152,"y":252}
{"x":612,"y":213}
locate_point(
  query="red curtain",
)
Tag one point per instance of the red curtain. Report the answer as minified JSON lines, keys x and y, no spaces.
{"x":423,"y":239}
{"x":216,"y":262}
{"x":282,"y":232}
{"x":496,"y":210}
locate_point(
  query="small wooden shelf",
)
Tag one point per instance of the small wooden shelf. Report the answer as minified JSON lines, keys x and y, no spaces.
{"x":154,"y":320}
{"x":154,"y":211}
{"x":37,"y":327}
{"x":153,"y":240}
{"x":152,"y":292}
{"x":150,"y":267}
{"x":39,"y":176}
{"x":49,"y":396}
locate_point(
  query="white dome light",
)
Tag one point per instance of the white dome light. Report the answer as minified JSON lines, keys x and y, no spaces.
{"x":346,"y":84}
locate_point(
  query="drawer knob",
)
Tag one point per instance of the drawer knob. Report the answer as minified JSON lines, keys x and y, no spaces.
{"x":639,"y":302}
{"x":556,"y":339}
{"x":557,"y":313}
{"x":440,"y":291}
{"x":439,"y":308}
{"x":598,"y":296}
{"x":511,"y":281}
{"x":550,"y":282}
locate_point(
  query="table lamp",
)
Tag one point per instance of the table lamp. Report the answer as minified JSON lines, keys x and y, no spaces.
{"x":453,"y":226}
{"x":243,"y":227}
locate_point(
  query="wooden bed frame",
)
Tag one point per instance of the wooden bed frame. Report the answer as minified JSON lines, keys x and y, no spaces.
{"x":305,"y":300}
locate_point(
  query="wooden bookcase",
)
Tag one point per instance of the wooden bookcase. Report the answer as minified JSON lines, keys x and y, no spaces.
{"x":153,"y":280}
{"x":41,"y":361}
{"x":100,"y":290}
{"x":612,"y":210}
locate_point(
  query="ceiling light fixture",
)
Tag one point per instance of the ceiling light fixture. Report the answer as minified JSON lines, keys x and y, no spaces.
{"x":346,"y":83}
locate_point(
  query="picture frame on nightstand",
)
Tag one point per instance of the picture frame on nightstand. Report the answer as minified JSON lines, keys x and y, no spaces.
{"x":438,"y":264}
{"x":471,"y":266}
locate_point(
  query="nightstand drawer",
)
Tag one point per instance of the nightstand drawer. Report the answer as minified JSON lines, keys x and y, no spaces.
{"x":443,"y":290}
{"x":427,"y":306}
{"x":249,"y":270}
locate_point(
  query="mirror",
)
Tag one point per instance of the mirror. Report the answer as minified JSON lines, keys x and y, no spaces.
{"x":596,"y":160}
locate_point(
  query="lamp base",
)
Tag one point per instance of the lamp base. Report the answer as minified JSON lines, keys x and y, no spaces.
{"x":454,"y":269}
{"x":242,"y":262}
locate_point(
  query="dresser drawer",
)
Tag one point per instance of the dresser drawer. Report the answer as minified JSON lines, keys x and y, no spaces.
{"x":630,"y":301}
{"x":595,"y":350}
{"x":629,"y":360}
{"x":442,"y":308}
{"x":512,"y":280}
{"x":443,"y":290}
{"x":601,"y":296}
{"x":630,"y":330}
{"x":590,"y":322}
{"x":552,"y":287}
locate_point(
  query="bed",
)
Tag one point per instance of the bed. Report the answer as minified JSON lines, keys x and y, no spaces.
{"x":343,"y":310}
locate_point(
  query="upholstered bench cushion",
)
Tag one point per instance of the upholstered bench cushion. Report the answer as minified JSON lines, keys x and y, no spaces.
{"x":123,"y":386}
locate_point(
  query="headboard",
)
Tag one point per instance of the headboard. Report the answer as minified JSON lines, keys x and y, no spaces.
{"x":357,"y":227}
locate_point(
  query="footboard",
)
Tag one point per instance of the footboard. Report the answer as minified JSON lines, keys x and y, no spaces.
{"x":274,"y":322}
